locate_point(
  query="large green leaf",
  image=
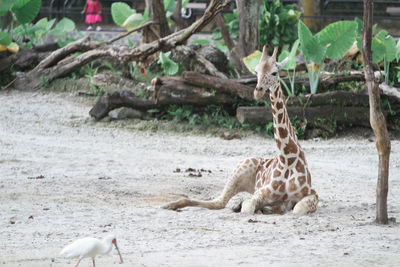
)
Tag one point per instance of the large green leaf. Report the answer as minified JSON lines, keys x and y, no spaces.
{"x":120,"y":12}
{"x":170,"y":67}
{"x":6,"y":5}
{"x":26,"y":10}
{"x":5,"y":38}
{"x":389,"y":44}
{"x":252,"y":60}
{"x":133,"y":21}
{"x":291,"y":64}
{"x":310,"y":46}
{"x":64,"y":26}
{"x":338,"y":37}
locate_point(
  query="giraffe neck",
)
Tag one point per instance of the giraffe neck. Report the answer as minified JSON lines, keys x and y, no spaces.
{"x":284,"y":133}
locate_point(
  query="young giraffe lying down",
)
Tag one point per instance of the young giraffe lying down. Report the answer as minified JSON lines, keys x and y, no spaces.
{"x":282,"y":182}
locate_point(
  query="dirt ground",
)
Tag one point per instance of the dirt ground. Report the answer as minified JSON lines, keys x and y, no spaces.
{"x":64,"y":176}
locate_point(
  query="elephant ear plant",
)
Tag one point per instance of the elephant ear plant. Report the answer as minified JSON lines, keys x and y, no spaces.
{"x":383,"y":47}
{"x":290,"y":66}
{"x":332,"y":42}
{"x":23,"y":12}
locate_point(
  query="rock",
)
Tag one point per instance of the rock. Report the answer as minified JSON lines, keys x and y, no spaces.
{"x":127,"y":113}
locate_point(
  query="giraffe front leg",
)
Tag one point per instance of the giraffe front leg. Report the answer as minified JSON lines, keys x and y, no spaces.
{"x":242,"y":179}
{"x":249,"y":206}
{"x":307,"y":204}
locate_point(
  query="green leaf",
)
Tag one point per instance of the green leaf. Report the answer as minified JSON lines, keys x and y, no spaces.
{"x":252,"y":60}
{"x":26,"y":10}
{"x":133,"y":21}
{"x":310,"y":46}
{"x":389,"y":43}
{"x":338,"y":37}
{"x":223,"y":47}
{"x":359,"y":25}
{"x":291,"y":64}
{"x":6,"y":5}
{"x":5,"y":38}
{"x":64,"y":26}
{"x":169,"y":6}
{"x":378,"y":50}
{"x":170,"y":67}
{"x":120,"y":12}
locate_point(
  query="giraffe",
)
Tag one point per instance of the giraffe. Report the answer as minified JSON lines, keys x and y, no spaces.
{"x":282,"y":182}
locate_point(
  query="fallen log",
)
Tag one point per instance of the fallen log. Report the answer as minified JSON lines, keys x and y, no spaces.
{"x":357,"y":116}
{"x":390,"y":91}
{"x":226,"y":86}
{"x":168,"y":92}
{"x":326,"y":81}
{"x":339,"y":98}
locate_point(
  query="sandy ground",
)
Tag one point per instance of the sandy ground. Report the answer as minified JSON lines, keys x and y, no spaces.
{"x":63,"y":176}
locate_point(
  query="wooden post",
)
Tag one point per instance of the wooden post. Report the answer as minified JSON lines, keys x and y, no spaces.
{"x":377,"y":120}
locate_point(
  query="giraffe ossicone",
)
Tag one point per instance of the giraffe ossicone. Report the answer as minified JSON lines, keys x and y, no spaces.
{"x":282,"y":182}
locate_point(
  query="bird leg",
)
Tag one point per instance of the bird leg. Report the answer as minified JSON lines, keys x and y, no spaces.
{"x":78,"y":262}
{"x":94,"y":264}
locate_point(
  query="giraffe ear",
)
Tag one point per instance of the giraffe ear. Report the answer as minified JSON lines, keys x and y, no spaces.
{"x":282,"y":64}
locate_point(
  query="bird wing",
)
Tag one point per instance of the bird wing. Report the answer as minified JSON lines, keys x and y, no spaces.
{"x":80,"y":248}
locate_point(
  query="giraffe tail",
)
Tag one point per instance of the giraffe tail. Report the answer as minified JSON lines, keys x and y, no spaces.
{"x":306,"y":205}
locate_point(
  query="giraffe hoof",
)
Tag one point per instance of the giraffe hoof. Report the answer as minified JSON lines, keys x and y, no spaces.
{"x":237,"y":208}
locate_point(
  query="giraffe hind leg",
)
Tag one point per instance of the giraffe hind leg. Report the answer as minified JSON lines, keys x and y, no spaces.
{"x":242,"y":179}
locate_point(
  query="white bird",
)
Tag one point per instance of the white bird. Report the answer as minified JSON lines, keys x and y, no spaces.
{"x":90,"y":247}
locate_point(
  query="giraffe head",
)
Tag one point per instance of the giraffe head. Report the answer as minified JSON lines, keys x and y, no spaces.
{"x":267,"y":73}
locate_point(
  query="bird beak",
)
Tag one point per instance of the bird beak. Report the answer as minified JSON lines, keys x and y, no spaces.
{"x":119,"y":253}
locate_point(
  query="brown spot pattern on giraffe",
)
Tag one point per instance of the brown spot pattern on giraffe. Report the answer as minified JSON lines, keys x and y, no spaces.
{"x":291,"y":160}
{"x":304,"y":191}
{"x":300,"y":167}
{"x":279,"y":105}
{"x":287,"y":174}
{"x":290,"y":148}
{"x":280,"y":116}
{"x":277,"y":173}
{"x":283,"y":133}
{"x":275,"y":185}
{"x":302,"y":180}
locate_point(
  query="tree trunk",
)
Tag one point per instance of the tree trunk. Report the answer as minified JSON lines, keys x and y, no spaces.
{"x":249,"y":19}
{"x":219,"y":20}
{"x":377,"y":120}
{"x":159,"y":16}
{"x":310,"y":9}
{"x":177,"y":16}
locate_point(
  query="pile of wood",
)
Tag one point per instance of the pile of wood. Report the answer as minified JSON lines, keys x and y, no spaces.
{"x":191,"y":88}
